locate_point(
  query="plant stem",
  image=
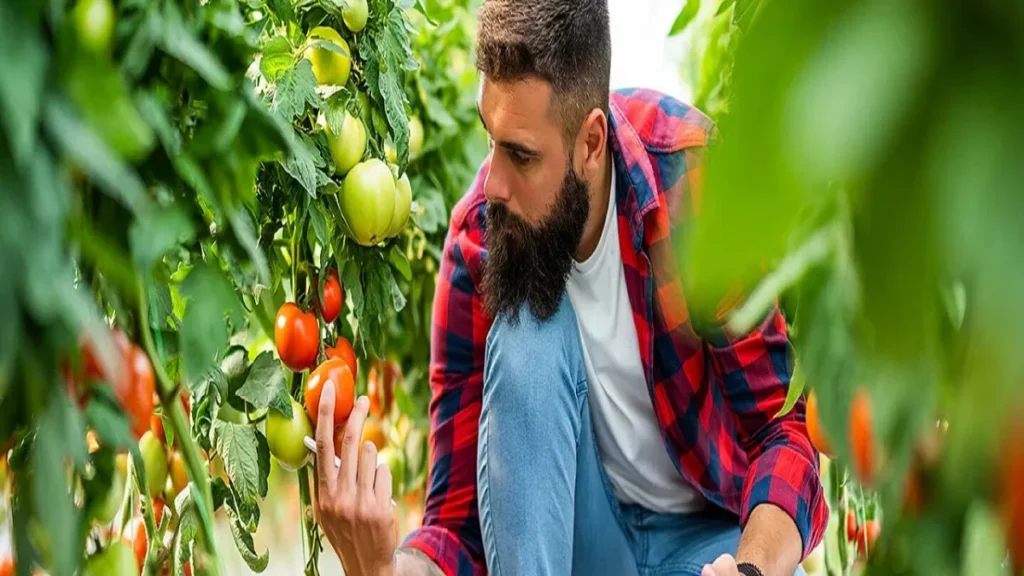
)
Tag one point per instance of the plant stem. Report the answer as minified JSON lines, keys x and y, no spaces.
{"x":194,"y":465}
{"x":309,"y":549}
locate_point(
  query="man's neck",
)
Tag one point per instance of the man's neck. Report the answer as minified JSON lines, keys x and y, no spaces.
{"x":600,"y":196}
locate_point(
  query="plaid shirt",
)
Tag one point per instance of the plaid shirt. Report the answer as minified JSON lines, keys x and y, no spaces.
{"x":715,"y":399}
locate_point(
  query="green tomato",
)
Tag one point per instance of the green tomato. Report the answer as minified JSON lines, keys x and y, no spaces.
{"x":330,"y":67}
{"x":117,"y":559}
{"x":94,"y":22}
{"x":415,"y":136}
{"x":368,"y":201}
{"x":284,"y":437}
{"x":403,"y":205}
{"x":228,"y":414}
{"x":349,"y":145}
{"x":104,"y":509}
{"x":364,"y":108}
{"x":154,"y":455}
{"x":355,"y":15}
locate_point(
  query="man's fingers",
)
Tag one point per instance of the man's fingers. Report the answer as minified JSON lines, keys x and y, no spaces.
{"x":367,"y":471}
{"x":315,"y":502}
{"x":326,"y":472}
{"x":350,"y":444}
{"x":382,"y":486}
{"x":725,"y":565}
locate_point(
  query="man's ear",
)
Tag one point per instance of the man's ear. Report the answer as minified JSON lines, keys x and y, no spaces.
{"x":592,"y":143}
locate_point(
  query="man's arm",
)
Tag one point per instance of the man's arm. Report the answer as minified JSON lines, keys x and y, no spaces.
{"x":783,"y":486}
{"x":770,"y":541}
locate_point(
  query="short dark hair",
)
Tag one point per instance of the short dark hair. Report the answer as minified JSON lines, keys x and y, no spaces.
{"x":565,"y":42}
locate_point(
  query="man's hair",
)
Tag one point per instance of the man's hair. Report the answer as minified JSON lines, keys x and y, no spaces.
{"x":564,"y":42}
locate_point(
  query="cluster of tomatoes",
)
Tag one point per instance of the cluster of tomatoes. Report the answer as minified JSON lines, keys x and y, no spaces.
{"x":863,"y":535}
{"x":298,"y":342}
{"x":297,"y":338}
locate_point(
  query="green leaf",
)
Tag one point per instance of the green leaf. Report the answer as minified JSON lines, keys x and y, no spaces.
{"x":276,"y":58}
{"x":93,"y":156}
{"x":140,"y":48}
{"x":246,"y":547}
{"x":430,"y":215}
{"x":686,"y":15}
{"x":405,"y":402}
{"x":984,"y":546}
{"x":156,"y":232}
{"x":294,"y":91}
{"x":245,"y":232}
{"x":186,"y":534}
{"x":318,"y":217}
{"x":300,"y":165}
{"x":238,"y":446}
{"x":53,"y":501}
{"x":796,"y":388}
{"x":179,"y":42}
{"x":352,"y":283}
{"x":109,"y":422}
{"x":204,"y":332}
{"x":265,"y":385}
{"x":724,"y":6}
{"x":397,"y":298}
{"x":422,"y":8}
{"x":21,"y":92}
{"x":400,"y":262}
{"x":154,"y":112}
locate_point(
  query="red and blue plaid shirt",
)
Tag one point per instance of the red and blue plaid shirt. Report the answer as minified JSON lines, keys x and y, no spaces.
{"x":715,"y":399}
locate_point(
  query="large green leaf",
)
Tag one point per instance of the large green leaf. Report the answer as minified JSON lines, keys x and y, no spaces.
{"x":157,"y":232}
{"x":686,"y":15}
{"x":265,"y":385}
{"x":53,"y":500}
{"x":239,"y":447}
{"x":212,"y":302}
{"x":181,"y":43}
{"x":295,"y":90}
{"x":21,"y":91}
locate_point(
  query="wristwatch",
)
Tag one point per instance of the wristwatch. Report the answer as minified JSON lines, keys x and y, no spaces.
{"x":748,"y":569}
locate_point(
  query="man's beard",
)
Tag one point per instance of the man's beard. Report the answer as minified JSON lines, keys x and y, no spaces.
{"x":531,"y":264}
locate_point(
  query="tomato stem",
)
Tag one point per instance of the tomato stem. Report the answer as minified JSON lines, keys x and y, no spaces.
{"x":194,"y":465}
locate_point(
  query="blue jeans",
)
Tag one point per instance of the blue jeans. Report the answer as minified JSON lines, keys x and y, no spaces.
{"x":546,"y":505}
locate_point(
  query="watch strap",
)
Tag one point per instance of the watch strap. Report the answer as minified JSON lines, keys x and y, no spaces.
{"x":748,"y":569}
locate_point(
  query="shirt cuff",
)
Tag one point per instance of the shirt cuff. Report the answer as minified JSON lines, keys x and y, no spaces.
{"x":446,"y":550}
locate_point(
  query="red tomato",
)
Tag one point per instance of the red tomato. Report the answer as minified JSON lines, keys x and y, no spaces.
{"x":851,"y":525}
{"x":337,"y":371}
{"x":297,"y":336}
{"x":138,"y":540}
{"x":136,"y":396}
{"x":862,"y":436}
{"x":867,"y":535}
{"x":334,"y":297}
{"x":158,"y":509}
{"x":6,"y":566}
{"x":343,"y":350}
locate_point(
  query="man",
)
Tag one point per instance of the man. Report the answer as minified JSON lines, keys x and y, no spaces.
{"x":579,"y":422}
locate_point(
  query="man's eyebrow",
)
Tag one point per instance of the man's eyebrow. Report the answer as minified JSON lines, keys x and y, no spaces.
{"x":513,"y":146}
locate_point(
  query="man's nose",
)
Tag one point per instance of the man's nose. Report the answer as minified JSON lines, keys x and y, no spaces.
{"x":495,"y":187}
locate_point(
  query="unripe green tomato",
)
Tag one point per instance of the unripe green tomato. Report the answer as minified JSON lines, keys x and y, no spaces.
{"x":154,"y":455}
{"x":368,"y":201}
{"x":355,"y":15}
{"x":94,"y":23}
{"x":395,"y":462}
{"x":331,"y":68}
{"x":285,"y":435}
{"x":415,"y":136}
{"x":117,"y":559}
{"x":104,"y":509}
{"x":403,"y":205}
{"x":348,"y":146}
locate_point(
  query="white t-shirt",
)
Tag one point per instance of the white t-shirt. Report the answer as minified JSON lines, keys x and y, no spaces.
{"x":628,"y":437}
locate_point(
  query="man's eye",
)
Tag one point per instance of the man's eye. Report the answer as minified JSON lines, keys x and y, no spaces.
{"x":518,"y":159}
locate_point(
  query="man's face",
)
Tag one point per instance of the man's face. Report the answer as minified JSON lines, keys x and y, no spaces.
{"x":537,"y":205}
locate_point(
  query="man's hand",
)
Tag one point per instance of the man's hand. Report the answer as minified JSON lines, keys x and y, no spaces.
{"x":724,"y":565}
{"x":353,"y":504}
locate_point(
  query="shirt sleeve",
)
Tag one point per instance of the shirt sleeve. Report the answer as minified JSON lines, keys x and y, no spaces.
{"x":450,"y":535}
{"x":754,"y":371}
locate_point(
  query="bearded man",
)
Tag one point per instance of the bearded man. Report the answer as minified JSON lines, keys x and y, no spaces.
{"x":580,"y":423}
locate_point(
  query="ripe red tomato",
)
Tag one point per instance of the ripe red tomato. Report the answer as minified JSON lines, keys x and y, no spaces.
{"x":297,"y":336}
{"x":851,"y":525}
{"x":158,"y":509}
{"x":334,"y":296}
{"x":136,"y":395}
{"x":343,"y":350}
{"x":862,"y":436}
{"x":814,"y":428}
{"x":6,"y":566}
{"x":1011,"y":497}
{"x":337,"y":371}
{"x":867,"y":535}
{"x":138,"y":540}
